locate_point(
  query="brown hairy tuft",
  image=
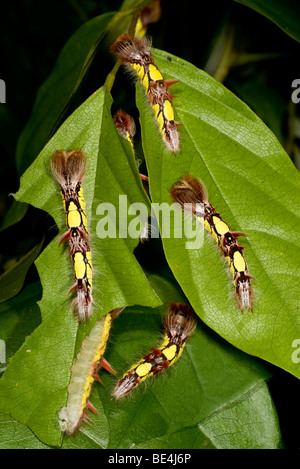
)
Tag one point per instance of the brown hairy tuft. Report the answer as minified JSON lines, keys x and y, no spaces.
{"x":189,"y":190}
{"x":124,"y":123}
{"x":130,"y":48}
{"x":180,"y":319}
{"x":68,"y":165}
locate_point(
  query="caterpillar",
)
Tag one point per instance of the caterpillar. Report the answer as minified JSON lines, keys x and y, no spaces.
{"x":163,"y":110}
{"x":135,"y":53}
{"x":82,"y":262}
{"x":192,"y":195}
{"x":68,"y":168}
{"x":179,"y":324}
{"x":125,"y":126}
{"x":84,"y":372}
{"x":150,"y":14}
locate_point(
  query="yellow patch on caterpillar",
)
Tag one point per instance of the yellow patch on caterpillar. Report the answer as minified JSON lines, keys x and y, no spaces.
{"x":220,"y":226}
{"x":73,"y":216}
{"x":79,"y":265}
{"x":154,"y":73}
{"x":168,"y":110}
{"x":159,"y":117}
{"x":238,"y":261}
{"x":143,"y":370}
{"x":142,"y":75}
{"x":170,"y":352}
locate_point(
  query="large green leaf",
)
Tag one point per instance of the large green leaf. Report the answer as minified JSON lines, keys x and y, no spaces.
{"x":213,"y":386}
{"x":211,"y":376}
{"x":254,"y":185}
{"x":15,"y":435}
{"x":11,"y":281}
{"x":38,"y":375}
{"x":54,"y":95}
{"x":286,"y":14}
{"x":14,"y":214}
{"x":19,"y":316}
{"x":249,"y":423}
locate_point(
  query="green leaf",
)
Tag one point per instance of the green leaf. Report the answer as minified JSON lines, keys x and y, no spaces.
{"x":19,"y":316}
{"x":54,"y":95}
{"x":249,"y":423}
{"x":15,"y":435}
{"x":94,"y":435}
{"x":254,"y":185}
{"x":14,"y":214}
{"x":11,"y":281}
{"x":111,"y":174}
{"x":189,"y":404}
{"x":210,"y":376}
{"x":189,"y":438}
{"x":285,"y":14}
{"x":38,"y":375}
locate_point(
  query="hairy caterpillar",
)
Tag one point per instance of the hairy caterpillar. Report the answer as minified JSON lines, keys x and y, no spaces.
{"x":125,"y":126}
{"x":163,"y":110}
{"x":68,"y":168}
{"x":191,"y":194}
{"x":84,"y":372}
{"x":135,"y":53}
{"x":179,"y":325}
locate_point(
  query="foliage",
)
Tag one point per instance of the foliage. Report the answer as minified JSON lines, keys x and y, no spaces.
{"x":223,"y":393}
